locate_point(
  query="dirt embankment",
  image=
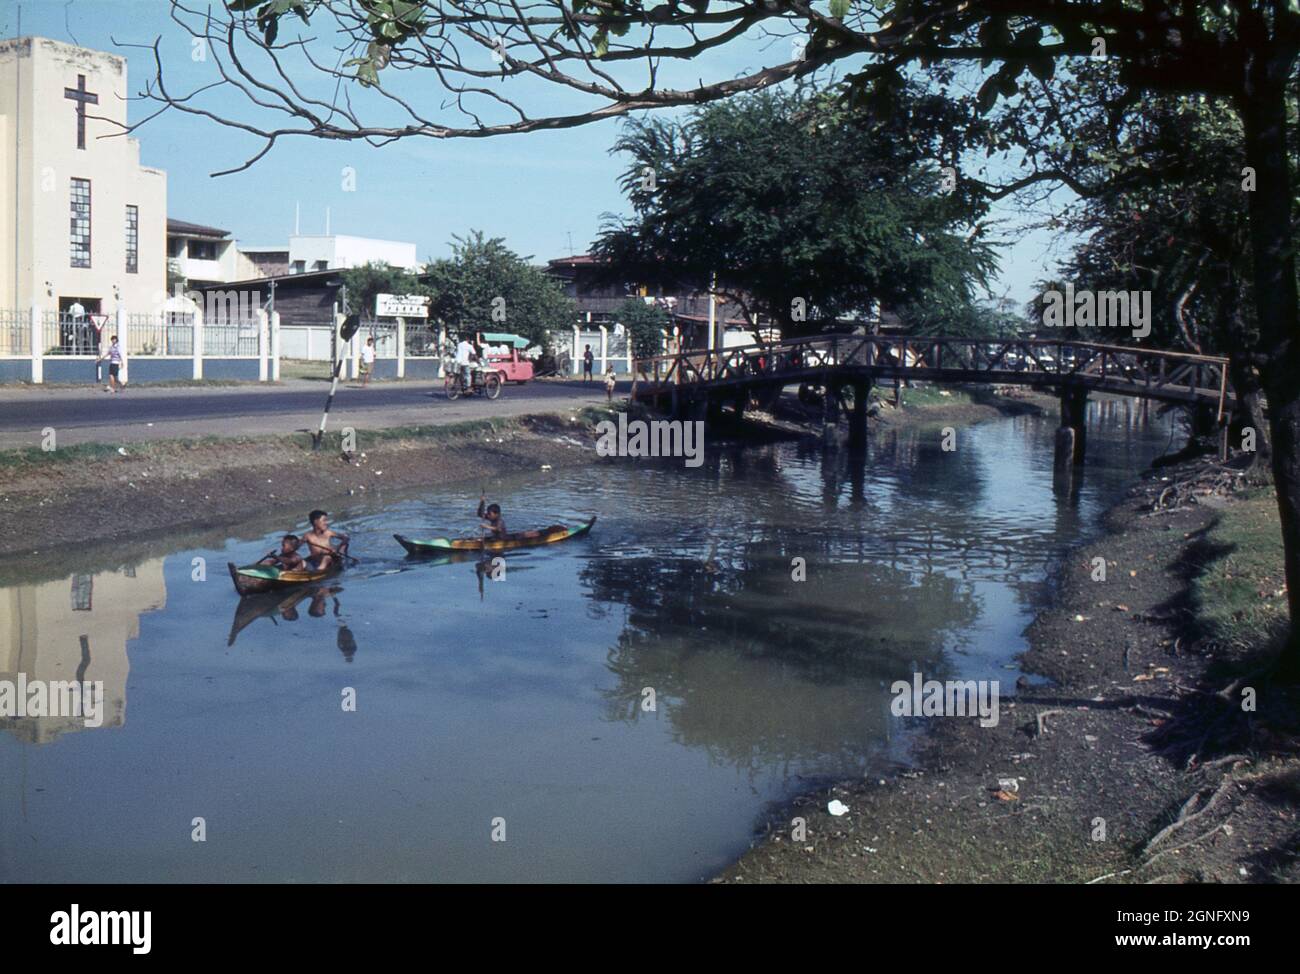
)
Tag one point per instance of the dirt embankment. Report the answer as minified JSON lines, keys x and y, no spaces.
{"x":99,"y":494}
{"x":1139,"y":759}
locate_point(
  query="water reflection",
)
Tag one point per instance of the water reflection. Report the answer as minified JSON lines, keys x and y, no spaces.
{"x":76,"y":629}
{"x":283,"y":606}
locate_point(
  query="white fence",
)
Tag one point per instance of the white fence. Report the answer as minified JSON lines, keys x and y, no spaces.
{"x":44,"y":345}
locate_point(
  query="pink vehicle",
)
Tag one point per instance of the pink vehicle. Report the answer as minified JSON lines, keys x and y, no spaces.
{"x":509,"y":365}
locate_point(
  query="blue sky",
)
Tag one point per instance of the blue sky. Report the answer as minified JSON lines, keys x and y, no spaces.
{"x":534,"y":190}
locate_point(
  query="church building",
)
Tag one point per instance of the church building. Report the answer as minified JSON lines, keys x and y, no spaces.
{"x":81,"y":221}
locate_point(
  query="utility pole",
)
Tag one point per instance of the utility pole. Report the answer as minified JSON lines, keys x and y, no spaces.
{"x":713,"y":338}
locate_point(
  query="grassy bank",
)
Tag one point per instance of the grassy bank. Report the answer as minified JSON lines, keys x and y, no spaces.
{"x":1239,"y":594}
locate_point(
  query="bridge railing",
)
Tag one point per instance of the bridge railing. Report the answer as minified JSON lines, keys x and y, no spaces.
{"x":1152,"y":373}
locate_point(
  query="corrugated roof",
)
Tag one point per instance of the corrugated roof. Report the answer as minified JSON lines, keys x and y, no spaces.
{"x":194,"y":229}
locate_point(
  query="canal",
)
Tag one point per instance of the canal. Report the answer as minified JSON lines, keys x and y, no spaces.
{"x":626,"y":706}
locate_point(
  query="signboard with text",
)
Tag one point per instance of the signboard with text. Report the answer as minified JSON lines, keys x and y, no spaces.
{"x":401,"y":306}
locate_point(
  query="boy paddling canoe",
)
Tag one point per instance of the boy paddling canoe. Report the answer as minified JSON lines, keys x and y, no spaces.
{"x":322,"y":554}
{"x":288,"y":558}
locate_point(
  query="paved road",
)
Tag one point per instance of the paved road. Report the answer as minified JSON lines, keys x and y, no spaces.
{"x":92,"y":415}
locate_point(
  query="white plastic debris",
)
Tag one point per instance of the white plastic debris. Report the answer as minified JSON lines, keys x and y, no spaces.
{"x":837,"y":807}
{"x":1009,"y":784}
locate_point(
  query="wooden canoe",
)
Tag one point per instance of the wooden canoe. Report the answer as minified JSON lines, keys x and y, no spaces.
{"x":522,"y":539}
{"x":252,"y":579}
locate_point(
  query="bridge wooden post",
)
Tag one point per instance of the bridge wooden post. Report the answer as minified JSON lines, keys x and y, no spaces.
{"x":858,"y":421}
{"x":1074,"y":415}
{"x":830,"y":411}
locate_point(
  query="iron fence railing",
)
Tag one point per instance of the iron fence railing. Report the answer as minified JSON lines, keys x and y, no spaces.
{"x":230,"y":338}
{"x":15,"y":332}
{"x":168,"y":333}
{"x":64,"y":333}
{"x":422,"y":340}
{"x":385,"y":336}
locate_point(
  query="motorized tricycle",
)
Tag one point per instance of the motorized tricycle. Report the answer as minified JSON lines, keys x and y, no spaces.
{"x":483,"y":382}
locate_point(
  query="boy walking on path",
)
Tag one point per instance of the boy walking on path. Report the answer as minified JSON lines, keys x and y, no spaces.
{"x":114,"y":355}
{"x":588,"y":361}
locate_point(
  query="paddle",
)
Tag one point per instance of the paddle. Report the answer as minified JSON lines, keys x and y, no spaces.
{"x":340,"y":551}
{"x":350,"y":326}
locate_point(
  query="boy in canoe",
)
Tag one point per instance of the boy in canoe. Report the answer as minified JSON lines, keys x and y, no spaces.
{"x":322,"y":556}
{"x":494,"y":525}
{"x":288,"y":559}
{"x":491,"y":521}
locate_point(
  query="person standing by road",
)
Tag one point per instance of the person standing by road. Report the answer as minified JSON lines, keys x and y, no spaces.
{"x":367,"y":361}
{"x":588,"y":361}
{"x":114,"y":356}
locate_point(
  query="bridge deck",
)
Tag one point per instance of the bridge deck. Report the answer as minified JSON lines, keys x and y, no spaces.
{"x":1125,"y":370}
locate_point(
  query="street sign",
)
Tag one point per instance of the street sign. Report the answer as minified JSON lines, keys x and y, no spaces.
{"x":401,"y":306}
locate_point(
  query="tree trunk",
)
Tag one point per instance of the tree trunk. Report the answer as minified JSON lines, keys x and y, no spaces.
{"x":1263,"y":110}
{"x":1250,"y":413}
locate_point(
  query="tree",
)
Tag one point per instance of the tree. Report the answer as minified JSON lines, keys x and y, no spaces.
{"x":485,"y":286}
{"x":376,"y":277}
{"x":1244,"y":52}
{"x":645,"y":324}
{"x":809,"y":211}
{"x":1166,"y":223}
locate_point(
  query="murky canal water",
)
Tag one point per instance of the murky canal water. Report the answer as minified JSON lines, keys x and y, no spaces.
{"x":524,"y":699}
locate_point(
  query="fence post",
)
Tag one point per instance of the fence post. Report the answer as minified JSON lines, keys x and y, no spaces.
{"x":275,"y":346}
{"x":124,"y":342}
{"x":356,"y":354}
{"x":604,"y":349}
{"x":401,"y":348}
{"x":577,"y":352}
{"x":197,"y":329}
{"x":263,"y":343}
{"x":339,"y":357}
{"x":37,"y":327}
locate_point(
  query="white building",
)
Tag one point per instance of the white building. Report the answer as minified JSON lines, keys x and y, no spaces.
{"x":319,"y":252}
{"x":202,"y":255}
{"x":82,"y":222}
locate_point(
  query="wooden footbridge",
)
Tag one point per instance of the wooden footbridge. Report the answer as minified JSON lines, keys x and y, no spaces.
{"x":695,"y":381}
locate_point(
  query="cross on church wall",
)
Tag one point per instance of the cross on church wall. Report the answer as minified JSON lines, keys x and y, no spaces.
{"x":83,"y":98}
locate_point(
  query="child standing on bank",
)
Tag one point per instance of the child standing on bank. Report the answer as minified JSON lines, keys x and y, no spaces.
{"x":610,"y":380}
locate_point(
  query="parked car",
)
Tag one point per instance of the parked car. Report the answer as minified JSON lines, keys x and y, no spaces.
{"x":502,"y":354}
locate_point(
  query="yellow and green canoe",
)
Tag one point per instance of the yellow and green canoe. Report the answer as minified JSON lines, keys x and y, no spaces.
{"x":520,"y":539}
{"x":252,"y":579}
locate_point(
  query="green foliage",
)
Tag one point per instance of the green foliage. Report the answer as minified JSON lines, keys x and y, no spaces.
{"x":788,"y":195}
{"x":373,"y":278}
{"x":483,"y":278}
{"x":645,"y":324}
